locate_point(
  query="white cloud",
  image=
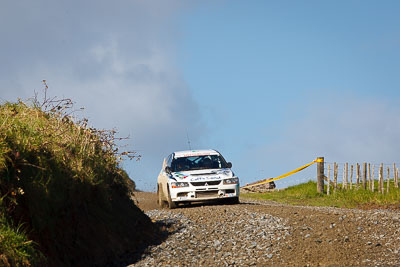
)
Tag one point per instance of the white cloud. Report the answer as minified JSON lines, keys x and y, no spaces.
{"x":115,"y":59}
{"x":345,"y":128}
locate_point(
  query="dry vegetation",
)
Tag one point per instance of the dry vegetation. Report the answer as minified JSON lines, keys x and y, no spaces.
{"x":63,"y":197}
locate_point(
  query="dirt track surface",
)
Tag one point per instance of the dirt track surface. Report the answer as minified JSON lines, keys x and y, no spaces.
{"x":265,"y":233}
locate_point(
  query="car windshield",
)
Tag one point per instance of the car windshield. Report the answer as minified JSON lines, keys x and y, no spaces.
{"x":198,"y":163}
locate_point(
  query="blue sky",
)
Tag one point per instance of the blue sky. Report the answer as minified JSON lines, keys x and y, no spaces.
{"x":270,"y":84}
{"x":276,"y":65}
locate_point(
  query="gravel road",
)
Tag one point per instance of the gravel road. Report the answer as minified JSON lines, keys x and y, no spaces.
{"x":262,"y":233}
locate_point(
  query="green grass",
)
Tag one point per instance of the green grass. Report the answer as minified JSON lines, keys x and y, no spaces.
{"x":306,"y":194}
{"x":15,"y":247}
{"x":61,"y":180}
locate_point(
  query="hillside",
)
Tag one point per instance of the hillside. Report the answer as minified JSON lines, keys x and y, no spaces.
{"x":64,"y":199}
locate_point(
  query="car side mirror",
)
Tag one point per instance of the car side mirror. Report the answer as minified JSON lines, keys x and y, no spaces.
{"x":229,"y":165}
{"x":168,"y":169}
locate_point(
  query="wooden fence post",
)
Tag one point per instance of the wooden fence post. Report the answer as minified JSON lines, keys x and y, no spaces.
{"x":335,"y":169}
{"x":351,"y":177}
{"x":329,"y":180}
{"x":358,"y":175}
{"x":387,"y":179}
{"x":397,"y":176}
{"x":364,"y":180}
{"x":347,"y":175}
{"x":381,"y":179}
{"x":343,"y":181}
{"x":369,"y":176}
{"x":320,"y":175}
{"x":373,"y":178}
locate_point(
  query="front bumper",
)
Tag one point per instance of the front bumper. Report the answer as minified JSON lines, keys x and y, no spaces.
{"x":204,"y":191}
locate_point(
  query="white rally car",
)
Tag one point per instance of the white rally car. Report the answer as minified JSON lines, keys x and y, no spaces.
{"x":196,"y":175}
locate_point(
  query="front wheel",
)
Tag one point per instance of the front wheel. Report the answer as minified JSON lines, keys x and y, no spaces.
{"x":232,"y":200}
{"x":171,"y":204}
{"x":160,"y":200}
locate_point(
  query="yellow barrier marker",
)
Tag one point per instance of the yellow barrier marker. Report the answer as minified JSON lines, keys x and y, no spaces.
{"x":285,"y":175}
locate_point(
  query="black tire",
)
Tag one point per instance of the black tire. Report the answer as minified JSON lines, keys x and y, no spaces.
{"x":171,"y":204}
{"x":160,"y":200}
{"x":232,"y":200}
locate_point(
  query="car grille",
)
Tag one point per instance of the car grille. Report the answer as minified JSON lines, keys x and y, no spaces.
{"x":206,"y":194}
{"x":204,"y":183}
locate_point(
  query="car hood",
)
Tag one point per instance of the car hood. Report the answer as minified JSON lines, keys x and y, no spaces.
{"x":202,"y":175}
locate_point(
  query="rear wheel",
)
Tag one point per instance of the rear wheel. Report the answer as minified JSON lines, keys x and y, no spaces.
{"x":171,"y":204}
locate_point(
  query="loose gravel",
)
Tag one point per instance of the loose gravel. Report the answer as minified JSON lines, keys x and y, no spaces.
{"x":271,"y":234}
{"x":218,"y":236}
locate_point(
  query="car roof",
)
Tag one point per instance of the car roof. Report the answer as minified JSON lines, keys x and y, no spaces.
{"x":193,"y":153}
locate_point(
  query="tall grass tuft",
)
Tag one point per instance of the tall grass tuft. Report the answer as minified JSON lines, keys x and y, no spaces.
{"x":15,"y":247}
{"x":62,"y":180}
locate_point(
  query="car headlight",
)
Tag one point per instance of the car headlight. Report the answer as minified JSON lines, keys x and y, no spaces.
{"x":234,"y":180}
{"x":179,"y":184}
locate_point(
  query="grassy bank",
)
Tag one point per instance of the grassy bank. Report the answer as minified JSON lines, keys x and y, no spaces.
{"x":15,"y":247}
{"x":63,"y":193}
{"x":306,"y":194}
